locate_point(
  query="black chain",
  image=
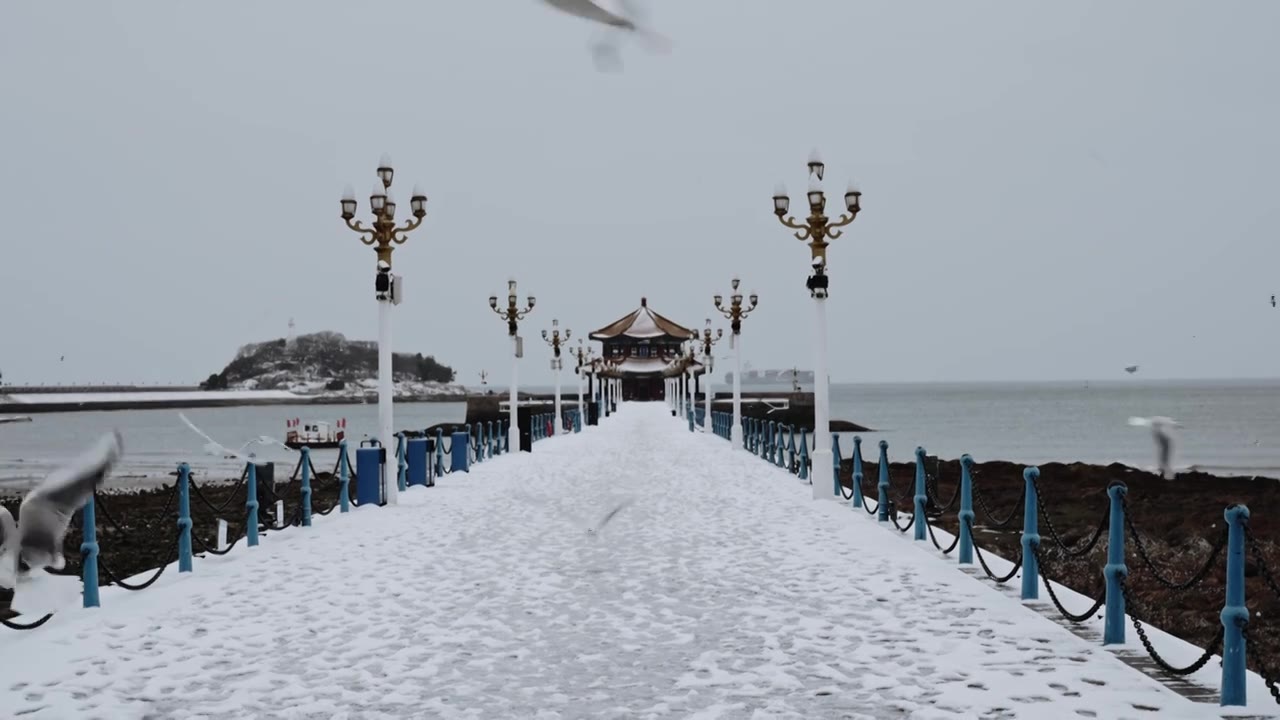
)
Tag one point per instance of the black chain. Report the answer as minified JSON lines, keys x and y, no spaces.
{"x":212,"y":551}
{"x":1099,"y":599}
{"x":1196,"y":578}
{"x":152,"y":528}
{"x":1017,"y":563}
{"x":1256,"y":550}
{"x":935,"y":492}
{"x":25,"y":626}
{"x":1053,"y":533}
{"x":954,"y":541}
{"x":1263,"y":670}
{"x":143,"y":586}
{"x":986,"y":509}
{"x":219,"y":509}
{"x":893,"y":517}
{"x":870,"y":510}
{"x":1146,"y":642}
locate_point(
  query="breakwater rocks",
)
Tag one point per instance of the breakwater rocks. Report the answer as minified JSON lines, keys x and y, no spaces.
{"x":1180,"y":523}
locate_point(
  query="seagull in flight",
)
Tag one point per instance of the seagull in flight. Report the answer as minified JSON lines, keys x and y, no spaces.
{"x":627,"y":18}
{"x":1161,"y":430}
{"x":35,"y":540}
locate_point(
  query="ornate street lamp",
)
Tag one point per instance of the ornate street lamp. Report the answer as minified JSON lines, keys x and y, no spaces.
{"x":708,"y":360}
{"x":584,"y":360}
{"x":817,"y":229}
{"x":554,"y":340}
{"x":735,"y":312}
{"x":384,"y":235}
{"x":513,"y":314}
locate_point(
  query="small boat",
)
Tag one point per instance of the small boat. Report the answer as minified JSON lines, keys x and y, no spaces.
{"x":14,"y":419}
{"x":314,"y":435}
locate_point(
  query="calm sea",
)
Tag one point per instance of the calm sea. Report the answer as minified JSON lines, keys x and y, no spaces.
{"x":1228,"y":426}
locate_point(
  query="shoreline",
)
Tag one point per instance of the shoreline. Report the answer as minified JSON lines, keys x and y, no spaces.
{"x":25,"y":408}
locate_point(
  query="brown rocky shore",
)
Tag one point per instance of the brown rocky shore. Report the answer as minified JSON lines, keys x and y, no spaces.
{"x":1180,"y":523}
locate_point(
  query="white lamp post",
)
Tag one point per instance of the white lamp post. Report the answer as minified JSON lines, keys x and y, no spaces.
{"x":708,"y":360}
{"x":513,"y":314}
{"x":388,"y":290}
{"x":817,"y":229}
{"x":554,"y":340}
{"x":735,"y":313}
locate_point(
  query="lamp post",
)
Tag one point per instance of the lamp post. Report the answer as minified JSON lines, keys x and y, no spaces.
{"x":584,"y":359}
{"x":817,"y":229}
{"x":735,"y":313}
{"x":554,"y":340}
{"x":383,"y":236}
{"x":708,"y":340}
{"x":513,"y":314}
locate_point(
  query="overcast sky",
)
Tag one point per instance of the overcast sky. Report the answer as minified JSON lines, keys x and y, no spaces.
{"x":1052,"y":190}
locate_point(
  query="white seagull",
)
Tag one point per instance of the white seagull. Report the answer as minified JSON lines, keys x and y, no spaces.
{"x":35,"y":540}
{"x":1161,"y":430}
{"x":626,"y":19}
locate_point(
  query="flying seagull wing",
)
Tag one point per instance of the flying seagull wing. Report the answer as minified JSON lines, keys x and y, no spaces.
{"x":213,"y":447}
{"x":588,"y":10}
{"x":47,"y":509}
{"x":8,"y":549}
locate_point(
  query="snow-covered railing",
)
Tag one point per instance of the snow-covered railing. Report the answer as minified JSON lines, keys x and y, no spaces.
{"x":779,"y":445}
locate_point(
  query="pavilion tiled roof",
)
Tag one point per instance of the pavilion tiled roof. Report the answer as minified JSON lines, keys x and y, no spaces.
{"x":641,"y":324}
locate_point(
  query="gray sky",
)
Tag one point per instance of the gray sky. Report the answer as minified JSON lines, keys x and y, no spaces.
{"x":1052,"y":190}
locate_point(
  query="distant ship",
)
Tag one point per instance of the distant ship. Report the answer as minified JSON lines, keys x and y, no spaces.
{"x":790,"y":377}
{"x":1131,"y":369}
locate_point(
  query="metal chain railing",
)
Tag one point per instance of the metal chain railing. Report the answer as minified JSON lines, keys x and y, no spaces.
{"x":931,"y":487}
{"x":1100,"y":597}
{"x":1263,"y":669}
{"x":986,"y":509}
{"x":1196,"y":578}
{"x":1209,"y":652}
{"x":954,"y":541}
{"x":116,"y":579}
{"x":1084,"y":547}
{"x":1263,"y":569}
{"x":977,"y":550}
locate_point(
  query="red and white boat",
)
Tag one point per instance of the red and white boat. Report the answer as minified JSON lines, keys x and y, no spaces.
{"x":314,"y":435}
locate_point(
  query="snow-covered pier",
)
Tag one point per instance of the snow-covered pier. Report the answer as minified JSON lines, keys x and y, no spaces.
{"x":634,"y":570}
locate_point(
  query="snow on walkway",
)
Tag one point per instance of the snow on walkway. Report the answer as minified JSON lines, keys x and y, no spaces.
{"x":720,"y":590}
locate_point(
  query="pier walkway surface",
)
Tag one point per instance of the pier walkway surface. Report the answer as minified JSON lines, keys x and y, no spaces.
{"x":718,"y":589}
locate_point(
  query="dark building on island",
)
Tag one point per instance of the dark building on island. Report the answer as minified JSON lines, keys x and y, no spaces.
{"x":642,"y":344}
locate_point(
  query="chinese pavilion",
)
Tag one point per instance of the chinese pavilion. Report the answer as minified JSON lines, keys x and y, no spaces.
{"x":642,"y":344}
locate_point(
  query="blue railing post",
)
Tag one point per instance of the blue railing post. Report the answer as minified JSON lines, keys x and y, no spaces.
{"x":184,"y":518}
{"x":882,"y":483}
{"x":482,"y":443}
{"x":691,"y":422}
{"x":966,"y":510}
{"x":439,"y":452}
{"x":1115,"y":571}
{"x":921,"y":496}
{"x":89,"y":554}
{"x":780,"y":452}
{"x":460,"y":447}
{"x":1234,"y":612}
{"x":835,"y":465}
{"x":1030,"y":537}
{"x":506,"y":436}
{"x":401,"y":465}
{"x":855,"y":474}
{"x":306,"y":487}
{"x":804,"y":454}
{"x":251,"y":506}
{"x":493,"y":440}
{"x":791,"y":448}
{"x":344,"y":479}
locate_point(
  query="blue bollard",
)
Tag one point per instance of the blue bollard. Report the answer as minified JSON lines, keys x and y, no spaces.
{"x":577,"y":420}
{"x":804,"y":456}
{"x":882,"y":484}
{"x":369,"y":475}
{"x":89,"y":554}
{"x":493,"y":439}
{"x":305,"y":491}
{"x":780,"y":447}
{"x":344,"y":482}
{"x":856,"y":473}
{"x":439,"y":452}
{"x":1115,"y":570}
{"x":1030,"y":537}
{"x":416,"y":458}
{"x":184,"y":518}
{"x":966,"y":510}
{"x":461,"y":451}
{"x":400,"y":463}
{"x":482,"y":443}
{"x":921,"y":497}
{"x":791,"y":448}
{"x":835,"y":466}
{"x":251,"y":506}
{"x":1234,"y":612}
{"x":506,"y":436}
{"x":691,"y":423}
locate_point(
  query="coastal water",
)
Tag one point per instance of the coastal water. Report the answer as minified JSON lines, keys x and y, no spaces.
{"x":1229,"y":427}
